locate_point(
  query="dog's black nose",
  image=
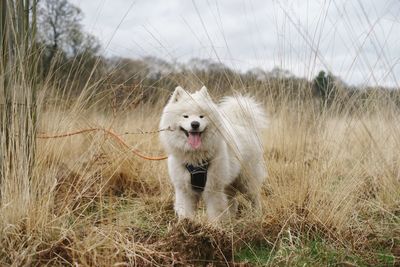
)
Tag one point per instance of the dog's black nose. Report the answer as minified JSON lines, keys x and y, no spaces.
{"x":195,"y":125}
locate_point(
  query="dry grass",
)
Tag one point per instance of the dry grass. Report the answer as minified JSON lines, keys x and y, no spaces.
{"x":332,"y":196}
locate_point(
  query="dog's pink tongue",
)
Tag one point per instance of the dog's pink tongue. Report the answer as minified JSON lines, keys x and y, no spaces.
{"x":194,"y":140}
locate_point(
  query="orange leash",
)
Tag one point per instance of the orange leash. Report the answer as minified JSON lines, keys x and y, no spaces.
{"x":109,"y":132}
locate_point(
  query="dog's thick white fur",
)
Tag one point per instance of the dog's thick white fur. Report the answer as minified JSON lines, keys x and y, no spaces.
{"x":227,"y":136}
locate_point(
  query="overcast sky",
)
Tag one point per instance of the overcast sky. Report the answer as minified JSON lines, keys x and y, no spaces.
{"x":358,"y":40}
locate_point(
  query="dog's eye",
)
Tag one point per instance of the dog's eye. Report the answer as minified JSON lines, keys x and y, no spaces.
{"x":201,"y":116}
{"x":185,"y":116}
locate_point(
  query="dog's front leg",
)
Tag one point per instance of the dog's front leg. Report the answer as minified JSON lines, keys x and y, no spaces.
{"x":185,"y":203}
{"x":217,"y":204}
{"x":185,"y":200}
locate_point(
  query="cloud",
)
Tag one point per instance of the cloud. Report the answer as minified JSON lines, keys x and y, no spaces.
{"x":356,"y":40}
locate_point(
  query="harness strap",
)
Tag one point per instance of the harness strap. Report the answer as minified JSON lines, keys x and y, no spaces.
{"x":198,"y":175}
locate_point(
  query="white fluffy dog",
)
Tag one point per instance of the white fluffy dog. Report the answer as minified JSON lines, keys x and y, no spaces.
{"x":214,"y":151}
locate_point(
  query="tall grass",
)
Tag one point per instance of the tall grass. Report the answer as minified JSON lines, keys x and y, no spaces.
{"x":332,"y":176}
{"x":332,"y":194}
{"x":18,"y":71}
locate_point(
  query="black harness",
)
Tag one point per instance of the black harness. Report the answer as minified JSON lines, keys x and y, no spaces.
{"x":198,"y":175}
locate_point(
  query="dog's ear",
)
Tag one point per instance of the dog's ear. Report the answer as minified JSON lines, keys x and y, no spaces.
{"x":204,"y":91}
{"x":177,"y":94}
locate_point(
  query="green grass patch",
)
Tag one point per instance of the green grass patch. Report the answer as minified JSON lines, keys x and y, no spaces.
{"x":255,"y":255}
{"x":315,"y":252}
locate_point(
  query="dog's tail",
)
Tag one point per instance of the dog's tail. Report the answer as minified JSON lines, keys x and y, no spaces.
{"x":244,"y":111}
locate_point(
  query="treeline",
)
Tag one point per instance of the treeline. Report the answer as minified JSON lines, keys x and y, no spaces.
{"x":72,"y":60}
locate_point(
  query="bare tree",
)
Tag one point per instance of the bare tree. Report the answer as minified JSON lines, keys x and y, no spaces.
{"x":57,"y":20}
{"x":67,"y":46}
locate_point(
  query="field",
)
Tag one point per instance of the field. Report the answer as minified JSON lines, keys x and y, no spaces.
{"x":331,"y":198}
{"x":74,"y":192}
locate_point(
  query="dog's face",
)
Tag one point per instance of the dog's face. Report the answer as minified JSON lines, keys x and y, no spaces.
{"x":190,"y":117}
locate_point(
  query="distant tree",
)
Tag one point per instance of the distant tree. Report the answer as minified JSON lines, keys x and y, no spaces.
{"x":61,"y":30}
{"x":69,"y":51}
{"x":280,"y":73}
{"x":81,"y":42}
{"x":324,"y":86}
{"x":57,"y":19}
